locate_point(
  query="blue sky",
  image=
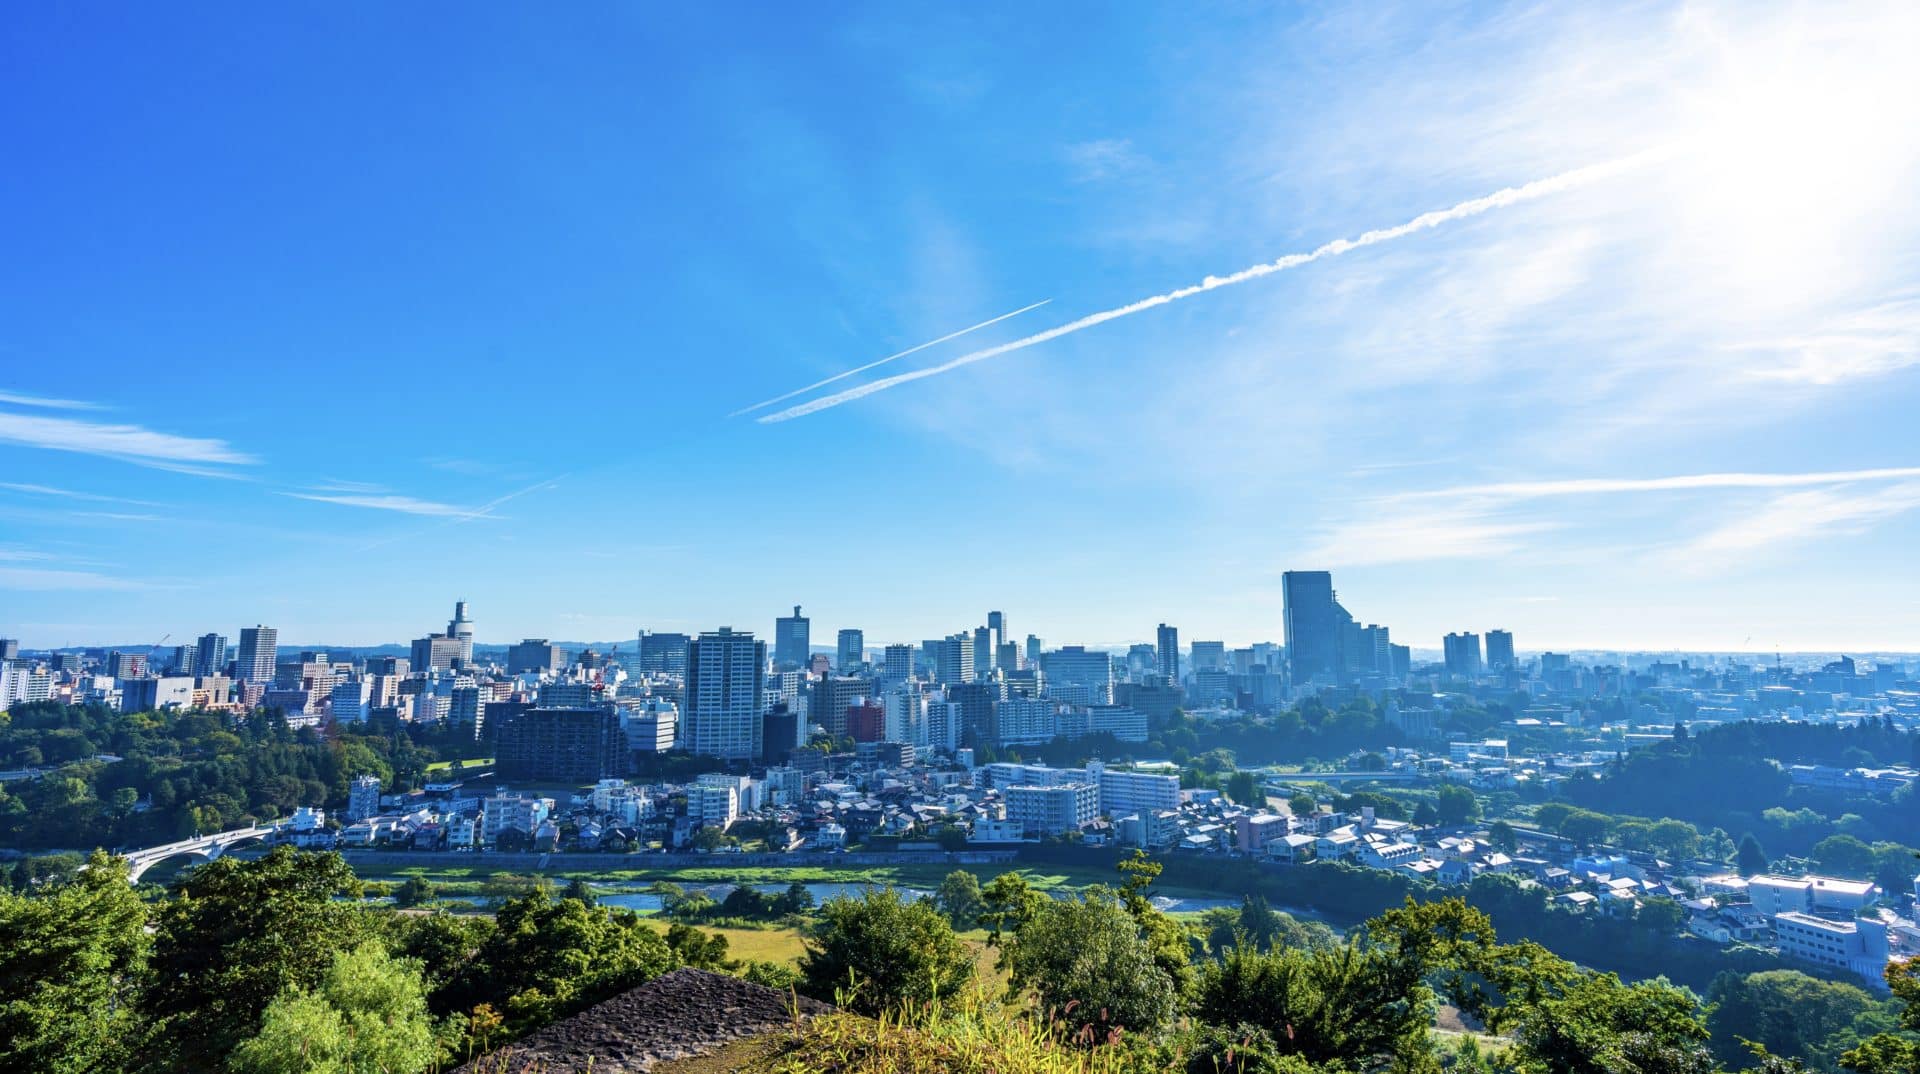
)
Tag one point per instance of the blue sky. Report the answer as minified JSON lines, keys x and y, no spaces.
{"x":324,"y":318}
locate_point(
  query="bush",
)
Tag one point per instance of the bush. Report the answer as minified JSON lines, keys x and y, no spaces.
{"x":1092,"y":967}
{"x":886,"y":950}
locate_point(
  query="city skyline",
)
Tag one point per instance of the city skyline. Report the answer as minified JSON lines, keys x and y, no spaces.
{"x":1167,"y":307}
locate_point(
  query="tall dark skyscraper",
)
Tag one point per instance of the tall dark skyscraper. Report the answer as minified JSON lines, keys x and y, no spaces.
{"x":1169,"y":651}
{"x":259,"y":652}
{"x":1499,"y":649}
{"x":792,"y":639}
{"x":663,"y":654}
{"x":851,"y":649}
{"x":1313,"y":624}
{"x":210,"y":655}
{"x":1463,"y":654}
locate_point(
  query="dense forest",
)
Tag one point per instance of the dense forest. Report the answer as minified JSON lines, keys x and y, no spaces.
{"x":180,"y":773}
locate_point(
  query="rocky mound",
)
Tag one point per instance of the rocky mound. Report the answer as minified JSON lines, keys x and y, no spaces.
{"x":684,"y":1013}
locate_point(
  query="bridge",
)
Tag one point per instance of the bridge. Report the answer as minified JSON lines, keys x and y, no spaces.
{"x":204,"y":848}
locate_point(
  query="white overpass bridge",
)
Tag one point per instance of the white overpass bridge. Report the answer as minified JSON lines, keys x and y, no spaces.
{"x":202,"y":848}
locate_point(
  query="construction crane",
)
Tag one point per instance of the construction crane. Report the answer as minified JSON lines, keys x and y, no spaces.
{"x":152,"y":656}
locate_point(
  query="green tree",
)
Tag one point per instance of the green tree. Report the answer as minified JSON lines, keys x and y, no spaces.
{"x":1786,"y":1012}
{"x":580,"y":891}
{"x":1844,"y":855}
{"x":1457,"y":805}
{"x":550,"y":957}
{"x":1502,"y":836}
{"x":1244,"y":788}
{"x":71,"y":958}
{"x":1596,"y":1025}
{"x":415,"y":891}
{"x":959,"y":898}
{"x":1889,"y":1052}
{"x":1092,"y":967}
{"x":234,"y":937}
{"x":1750,"y":859}
{"x":1302,"y":805}
{"x":367,"y":1016}
{"x":888,"y":950}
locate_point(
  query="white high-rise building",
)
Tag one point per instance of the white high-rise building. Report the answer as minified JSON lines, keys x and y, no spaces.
{"x":363,"y":798}
{"x":460,"y":629}
{"x":726,"y":670}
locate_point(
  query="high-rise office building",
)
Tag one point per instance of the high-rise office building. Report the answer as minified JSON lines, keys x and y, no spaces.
{"x":1007,"y":657}
{"x":954,"y":658}
{"x":259,"y":652}
{"x":997,"y":631}
{"x":209,"y":655}
{"x":1078,"y":675}
{"x":9,"y":649}
{"x":1033,"y":650}
{"x":1168,"y":643}
{"x":460,"y":629}
{"x":851,"y":649}
{"x":982,"y":652}
{"x":832,"y":696}
{"x":1374,"y":651}
{"x":578,"y":745}
{"x":1209,"y":656}
{"x":898,"y":664}
{"x":1500,"y":649}
{"x":1312,"y":626}
{"x":436,"y":651}
{"x":535,"y":654}
{"x":1463,"y":654}
{"x":792,"y":639}
{"x":184,"y":658}
{"x":663,"y":654}
{"x":726,"y":672}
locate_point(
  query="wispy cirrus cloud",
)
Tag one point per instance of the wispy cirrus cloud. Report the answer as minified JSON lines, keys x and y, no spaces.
{"x":129,"y":443}
{"x":1475,"y":521}
{"x":1795,"y":517}
{"x":1410,"y":537}
{"x":1870,"y":343}
{"x":20,"y":399}
{"x":387,"y":501}
{"x":71,"y":494}
{"x":1587,"y":486}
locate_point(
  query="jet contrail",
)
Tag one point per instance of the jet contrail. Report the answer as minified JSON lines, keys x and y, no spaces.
{"x":884,"y":361}
{"x":1499,"y":199}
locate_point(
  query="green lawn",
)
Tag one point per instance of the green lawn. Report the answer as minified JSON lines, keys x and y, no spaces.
{"x":477,"y":762}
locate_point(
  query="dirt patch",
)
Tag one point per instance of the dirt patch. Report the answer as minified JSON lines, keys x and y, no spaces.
{"x":683,"y":1014}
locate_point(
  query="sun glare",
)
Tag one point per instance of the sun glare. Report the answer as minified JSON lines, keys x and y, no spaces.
{"x":1794,"y":148}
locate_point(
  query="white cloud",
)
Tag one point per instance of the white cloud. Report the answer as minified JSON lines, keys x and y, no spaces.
{"x":17,"y":399}
{"x":406,"y":505}
{"x":1867,"y":344}
{"x":70,"y":494}
{"x":1582,"y":486}
{"x":130,"y":443}
{"x":1797,"y":516}
{"x":1409,"y":537}
{"x":1103,"y":158}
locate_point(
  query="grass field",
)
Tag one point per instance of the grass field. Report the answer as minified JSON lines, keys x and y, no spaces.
{"x":468,"y":875}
